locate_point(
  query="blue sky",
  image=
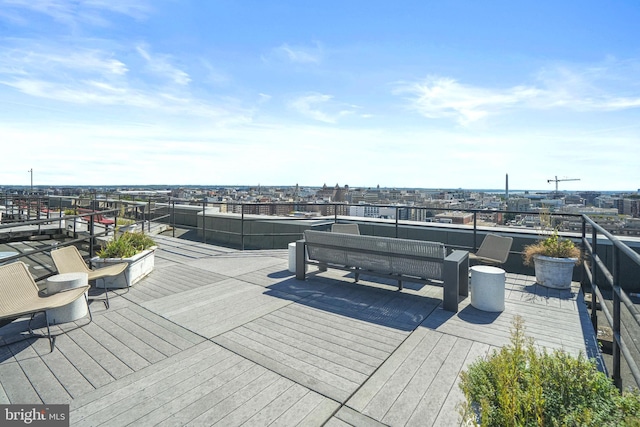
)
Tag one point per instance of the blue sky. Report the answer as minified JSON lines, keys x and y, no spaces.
{"x":447,"y":94}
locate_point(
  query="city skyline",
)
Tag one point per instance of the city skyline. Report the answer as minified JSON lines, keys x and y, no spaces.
{"x":417,"y":95}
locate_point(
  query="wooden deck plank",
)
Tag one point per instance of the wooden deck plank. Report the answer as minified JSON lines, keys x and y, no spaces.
{"x":161,"y":327}
{"x":101,"y":355}
{"x":291,"y":350}
{"x":448,"y":413}
{"x":116,"y":347}
{"x":113,"y":392}
{"x":370,"y":335}
{"x":355,"y":418}
{"x":256,"y":403}
{"x":145,"y":400}
{"x":90,"y":369}
{"x":387,"y":395}
{"x":128,"y":387}
{"x":277,"y":406}
{"x":375,"y":383}
{"x":312,"y":410}
{"x":65,"y":372}
{"x":235,"y":400}
{"x":414,"y":390}
{"x":235,"y":366}
{"x":207,"y":400}
{"x":17,"y":386}
{"x":342,"y":355}
{"x":276,"y":363}
{"x":159,"y":343}
{"x":429,"y":406}
{"x":44,"y":382}
{"x":360,"y":344}
{"x":134,"y":343}
{"x":316,"y":378}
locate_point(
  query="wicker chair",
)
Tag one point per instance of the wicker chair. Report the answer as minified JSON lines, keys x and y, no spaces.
{"x":494,"y":250}
{"x":20,"y":296}
{"x":69,"y":260}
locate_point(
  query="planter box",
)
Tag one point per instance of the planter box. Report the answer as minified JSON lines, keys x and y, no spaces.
{"x":554,"y":272}
{"x":139,"y":266}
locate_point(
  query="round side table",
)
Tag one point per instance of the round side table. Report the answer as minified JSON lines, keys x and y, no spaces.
{"x":487,"y":288}
{"x":73,"y":311}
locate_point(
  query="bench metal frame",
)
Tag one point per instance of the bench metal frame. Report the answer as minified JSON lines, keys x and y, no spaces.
{"x":455,"y":268}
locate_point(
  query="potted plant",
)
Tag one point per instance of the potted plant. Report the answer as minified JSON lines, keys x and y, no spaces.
{"x":520,"y":385}
{"x":553,"y":259}
{"x":137,"y":249}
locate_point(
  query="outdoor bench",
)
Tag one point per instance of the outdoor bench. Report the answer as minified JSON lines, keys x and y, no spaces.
{"x":400,"y":259}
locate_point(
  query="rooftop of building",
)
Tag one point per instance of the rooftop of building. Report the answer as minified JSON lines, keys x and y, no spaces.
{"x":219,"y":336}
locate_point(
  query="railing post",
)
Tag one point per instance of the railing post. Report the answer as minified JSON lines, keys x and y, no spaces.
{"x":204,"y":226}
{"x":149,"y":210}
{"x":397,"y":222}
{"x":617,"y":379}
{"x":594,"y":278}
{"x":583,"y":252}
{"x":172,"y":216}
{"x":475,"y":231}
{"x":92,"y":237}
{"x":242,"y":226}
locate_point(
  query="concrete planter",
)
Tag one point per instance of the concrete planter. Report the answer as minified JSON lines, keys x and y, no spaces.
{"x":139,"y":266}
{"x":554,"y":272}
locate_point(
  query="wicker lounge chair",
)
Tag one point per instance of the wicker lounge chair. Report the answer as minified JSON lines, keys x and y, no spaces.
{"x":69,"y":260}
{"x":494,"y":250}
{"x":20,"y":296}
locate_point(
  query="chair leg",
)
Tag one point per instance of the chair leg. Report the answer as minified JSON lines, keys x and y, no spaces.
{"x":86,"y":298}
{"x":52,"y":340}
{"x":106,"y":292}
{"x":31,"y":320}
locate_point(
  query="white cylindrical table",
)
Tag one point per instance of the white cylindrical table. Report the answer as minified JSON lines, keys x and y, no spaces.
{"x":487,"y":288}
{"x":292,"y":257}
{"x":73,"y":311}
{"x":6,"y":254}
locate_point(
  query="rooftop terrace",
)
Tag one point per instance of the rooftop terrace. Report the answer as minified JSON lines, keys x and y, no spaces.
{"x":216,"y":336}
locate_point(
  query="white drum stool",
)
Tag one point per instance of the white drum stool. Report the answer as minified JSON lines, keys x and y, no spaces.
{"x":73,"y":311}
{"x":292,"y":257}
{"x":487,"y":288}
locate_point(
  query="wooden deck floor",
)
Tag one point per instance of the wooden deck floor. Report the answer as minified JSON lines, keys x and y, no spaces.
{"x":219,"y":337}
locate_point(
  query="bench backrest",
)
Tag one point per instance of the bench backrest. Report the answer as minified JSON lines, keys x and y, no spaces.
{"x":384,"y":254}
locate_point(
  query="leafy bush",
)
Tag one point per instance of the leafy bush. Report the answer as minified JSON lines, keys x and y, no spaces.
{"x":521,"y":386}
{"x":552,"y":246}
{"x":126,"y":245}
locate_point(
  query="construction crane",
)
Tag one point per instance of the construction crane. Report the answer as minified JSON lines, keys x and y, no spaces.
{"x":556,"y":180}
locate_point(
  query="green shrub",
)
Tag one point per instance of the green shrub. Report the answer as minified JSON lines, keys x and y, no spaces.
{"x":521,"y":386}
{"x":126,"y":245}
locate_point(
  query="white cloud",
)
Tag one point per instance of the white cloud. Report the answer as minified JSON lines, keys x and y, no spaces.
{"x":161,"y":65}
{"x":590,"y":89}
{"x":74,"y":12}
{"x":34,"y":59}
{"x":320,"y":107}
{"x":439,"y":97}
{"x":298,"y":54}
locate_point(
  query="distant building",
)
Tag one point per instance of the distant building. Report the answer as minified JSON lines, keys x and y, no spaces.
{"x":454,"y":217}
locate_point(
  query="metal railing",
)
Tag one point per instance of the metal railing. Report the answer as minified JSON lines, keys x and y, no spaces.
{"x":595,"y":271}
